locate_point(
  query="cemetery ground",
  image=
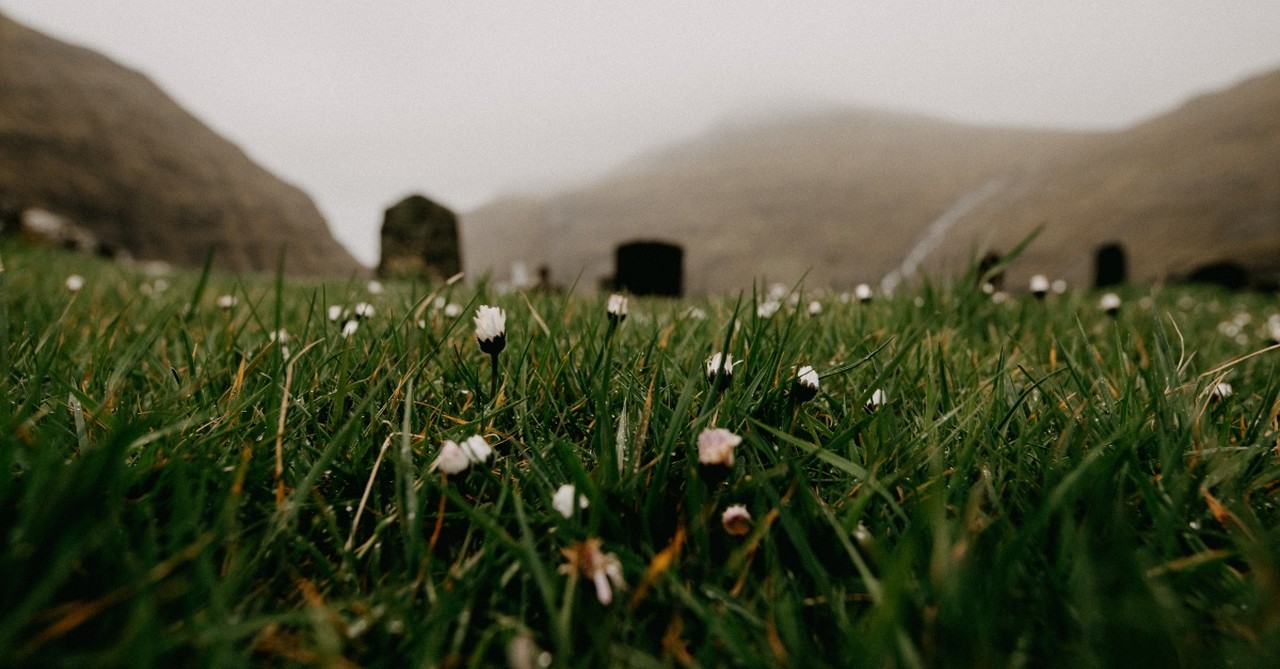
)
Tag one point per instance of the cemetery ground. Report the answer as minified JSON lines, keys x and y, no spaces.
{"x":209,"y":470}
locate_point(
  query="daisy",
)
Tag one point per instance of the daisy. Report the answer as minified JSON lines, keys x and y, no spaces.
{"x":806,"y":385}
{"x":715,"y":446}
{"x":736,"y":520}
{"x":604,"y":569}
{"x":563,"y":500}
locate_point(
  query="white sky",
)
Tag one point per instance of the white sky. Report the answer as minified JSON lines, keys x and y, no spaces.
{"x":361,"y":103}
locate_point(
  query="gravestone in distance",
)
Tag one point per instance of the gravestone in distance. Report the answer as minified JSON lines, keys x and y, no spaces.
{"x":419,"y":239}
{"x":650,"y":268}
{"x":1111,"y":268}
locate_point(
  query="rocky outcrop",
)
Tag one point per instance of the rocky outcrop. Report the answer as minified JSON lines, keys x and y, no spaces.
{"x":100,"y":146}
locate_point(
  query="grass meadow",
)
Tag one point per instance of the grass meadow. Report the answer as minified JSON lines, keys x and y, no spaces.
{"x":1041,"y":484}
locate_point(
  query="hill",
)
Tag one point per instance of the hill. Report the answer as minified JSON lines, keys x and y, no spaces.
{"x":841,"y":195}
{"x":101,"y":145}
{"x":854,"y":195}
{"x":1192,"y":187}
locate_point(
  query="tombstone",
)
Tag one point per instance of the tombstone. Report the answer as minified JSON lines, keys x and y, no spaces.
{"x":419,"y":239}
{"x":988,"y":263}
{"x":1111,"y":268}
{"x":650,"y":268}
{"x":1225,"y":273}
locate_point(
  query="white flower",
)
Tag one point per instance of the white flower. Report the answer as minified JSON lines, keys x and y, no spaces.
{"x":604,"y":569}
{"x":878,"y":399}
{"x":696,"y":314}
{"x":75,"y":282}
{"x":1059,"y":286}
{"x":768,"y":308}
{"x":374,"y":287}
{"x":815,"y":308}
{"x":452,"y":310}
{"x":1109,"y":303}
{"x":349,"y":328}
{"x":777,"y":291}
{"x":364,"y":310}
{"x":863,"y":292}
{"x":280,"y":335}
{"x":455,"y":457}
{"x":999,"y":297}
{"x":452,"y":459}
{"x":714,"y":364}
{"x":988,"y":288}
{"x":806,"y":383}
{"x":736,"y":520}
{"x":491,"y":329}
{"x":617,"y":307}
{"x":477,"y":448}
{"x":1039,"y":284}
{"x":562,"y":501}
{"x":226,"y":301}
{"x":1223,"y":390}
{"x":715,"y":446}
{"x":335,"y":312}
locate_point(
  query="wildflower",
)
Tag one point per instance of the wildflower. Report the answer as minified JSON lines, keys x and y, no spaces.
{"x":815,"y":308}
{"x":863,"y":292}
{"x":374,"y":287}
{"x":452,"y":459}
{"x":349,"y":328}
{"x":768,"y":308}
{"x":1059,"y":286}
{"x":1110,"y":303}
{"x":364,"y":310}
{"x":1039,"y":285}
{"x":988,"y":288}
{"x":280,"y":337}
{"x":225,"y":302}
{"x":563,"y":500}
{"x":604,"y":569}
{"x":878,"y":399}
{"x":999,"y":297}
{"x":715,"y":446}
{"x":491,"y":329}
{"x":777,"y":291}
{"x":721,"y":365}
{"x":1222,"y":391}
{"x":335,"y":312}
{"x":696,"y":314}
{"x":736,"y":520}
{"x":617,"y":308}
{"x":75,"y":282}
{"x":455,"y":457}
{"x":452,"y":310}
{"x":806,"y":385}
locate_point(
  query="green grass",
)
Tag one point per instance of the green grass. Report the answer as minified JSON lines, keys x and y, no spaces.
{"x":1047,"y":486}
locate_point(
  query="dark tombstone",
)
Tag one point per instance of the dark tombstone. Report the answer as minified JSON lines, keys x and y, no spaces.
{"x":988,"y":263}
{"x":1226,"y":274}
{"x":650,"y":268}
{"x":1111,"y":268}
{"x":419,"y":239}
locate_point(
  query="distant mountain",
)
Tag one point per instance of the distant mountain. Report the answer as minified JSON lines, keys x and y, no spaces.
{"x":841,"y":195}
{"x":99,"y":144}
{"x":1196,"y":186}
{"x":854,"y":195}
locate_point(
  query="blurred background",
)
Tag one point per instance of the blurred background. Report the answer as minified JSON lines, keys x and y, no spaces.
{"x":844,"y":142}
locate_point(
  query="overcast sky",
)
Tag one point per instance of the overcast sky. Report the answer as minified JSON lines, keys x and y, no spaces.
{"x":361,"y":103}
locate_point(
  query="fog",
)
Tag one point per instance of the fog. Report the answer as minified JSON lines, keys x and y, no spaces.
{"x":464,"y":101}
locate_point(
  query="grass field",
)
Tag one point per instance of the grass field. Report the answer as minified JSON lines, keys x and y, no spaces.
{"x":1044,"y":485}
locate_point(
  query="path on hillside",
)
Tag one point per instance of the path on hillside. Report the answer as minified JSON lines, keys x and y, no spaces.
{"x":937,"y":230}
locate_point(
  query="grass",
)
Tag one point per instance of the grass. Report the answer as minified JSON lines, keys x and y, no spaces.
{"x":1045,"y":486}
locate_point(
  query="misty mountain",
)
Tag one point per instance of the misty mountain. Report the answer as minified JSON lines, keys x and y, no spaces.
{"x":1192,"y":187}
{"x":845,"y":196}
{"x":101,"y":145}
